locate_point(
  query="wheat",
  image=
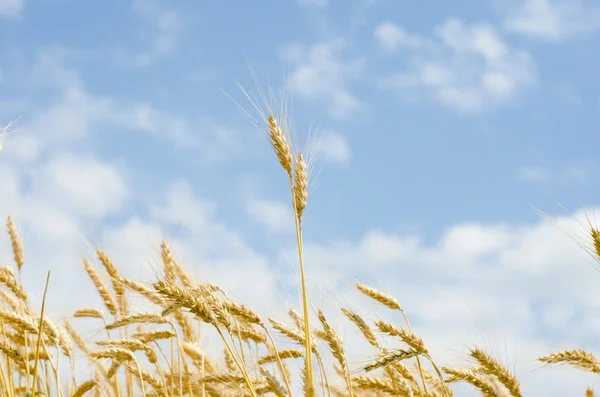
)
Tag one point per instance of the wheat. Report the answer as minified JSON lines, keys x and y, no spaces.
{"x":280,"y":144}
{"x":150,"y":336}
{"x":112,"y":271}
{"x":300,"y":189}
{"x":109,"y":300}
{"x":589,"y":392}
{"x":91,"y":313}
{"x":364,"y":328}
{"x":578,"y":358}
{"x":84,"y":388}
{"x":283,"y":354}
{"x":16,"y":244}
{"x":596,"y":241}
{"x":381,"y":297}
{"x":415,"y":342}
{"x":491,"y":366}
{"x":118,"y":354}
{"x":138,"y":318}
{"x":77,"y":338}
{"x":7,"y":277}
{"x":375,"y":384}
{"x":390,"y":358}
{"x":472,"y":377}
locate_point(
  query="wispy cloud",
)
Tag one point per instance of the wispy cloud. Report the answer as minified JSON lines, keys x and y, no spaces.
{"x":162,"y":26}
{"x":74,"y":113}
{"x":11,"y":8}
{"x":334,"y":146}
{"x":554,"y":19}
{"x":322,"y":72}
{"x":274,"y":215}
{"x":467,"y":68}
{"x":392,"y":37}
{"x":531,"y":173}
{"x":577,"y":172}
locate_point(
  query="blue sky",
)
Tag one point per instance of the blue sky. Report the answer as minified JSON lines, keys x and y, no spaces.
{"x":439,"y":127}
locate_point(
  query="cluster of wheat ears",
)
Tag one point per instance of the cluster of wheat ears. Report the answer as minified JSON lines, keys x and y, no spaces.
{"x":160,"y":353}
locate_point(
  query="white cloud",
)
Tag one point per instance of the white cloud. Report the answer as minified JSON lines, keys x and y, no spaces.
{"x":392,"y":37}
{"x":320,"y":72}
{"x":334,"y":146}
{"x":91,"y":187}
{"x":72,"y":114}
{"x":469,"y":68}
{"x":11,"y":8}
{"x":554,"y":19}
{"x":276,"y":216}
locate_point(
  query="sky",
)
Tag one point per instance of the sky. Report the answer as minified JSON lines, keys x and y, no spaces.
{"x":439,"y":126}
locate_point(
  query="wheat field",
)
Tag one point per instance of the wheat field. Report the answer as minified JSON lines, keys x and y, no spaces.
{"x":160,"y":351}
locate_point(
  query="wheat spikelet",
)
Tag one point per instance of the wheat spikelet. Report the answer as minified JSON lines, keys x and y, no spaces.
{"x":168,"y":263}
{"x":129,"y":344}
{"x":118,"y":354}
{"x":364,"y":328}
{"x":9,"y":300}
{"x":472,"y":377}
{"x":300,"y":188}
{"x":222,"y":378}
{"x":7,"y":277}
{"x":13,"y":353}
{"x":230,"y":361}
{"x":112,"y":271}
{"x":114,"y":367}
{"x":59,"y":335}
{"x":247,"y":332}
{"x":242,"y":311}
{"x":596,"y":240}
{"x":187,"y":328}
{"x":19,"y":322}
{"x":77,"y":338}
{"x":390,"y":358}
{"x":280,"y":144}
{"x":141,"y":289}
{"x":407,"y":337}
{"x":589,"y":392}
{"x":491,"y":366}
{"x":91,"y":313}
{"x":296,"y":336}
{"x":150,"y":336}
{"x":138,"y":318}
{"x":173,"y":267}
{"x":375,"y":384}
{"x":283,"y":354}
{"x":16,"y":243}
{"x":109,"y":300}
{"x":296,"y":318}
{"x":183,"y":297}
{"x":334,"y":341}
{"x":84,"y":388}
{"x":397,"y":367}
{"x":381,"y":297}
{"x":578,"y":358}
